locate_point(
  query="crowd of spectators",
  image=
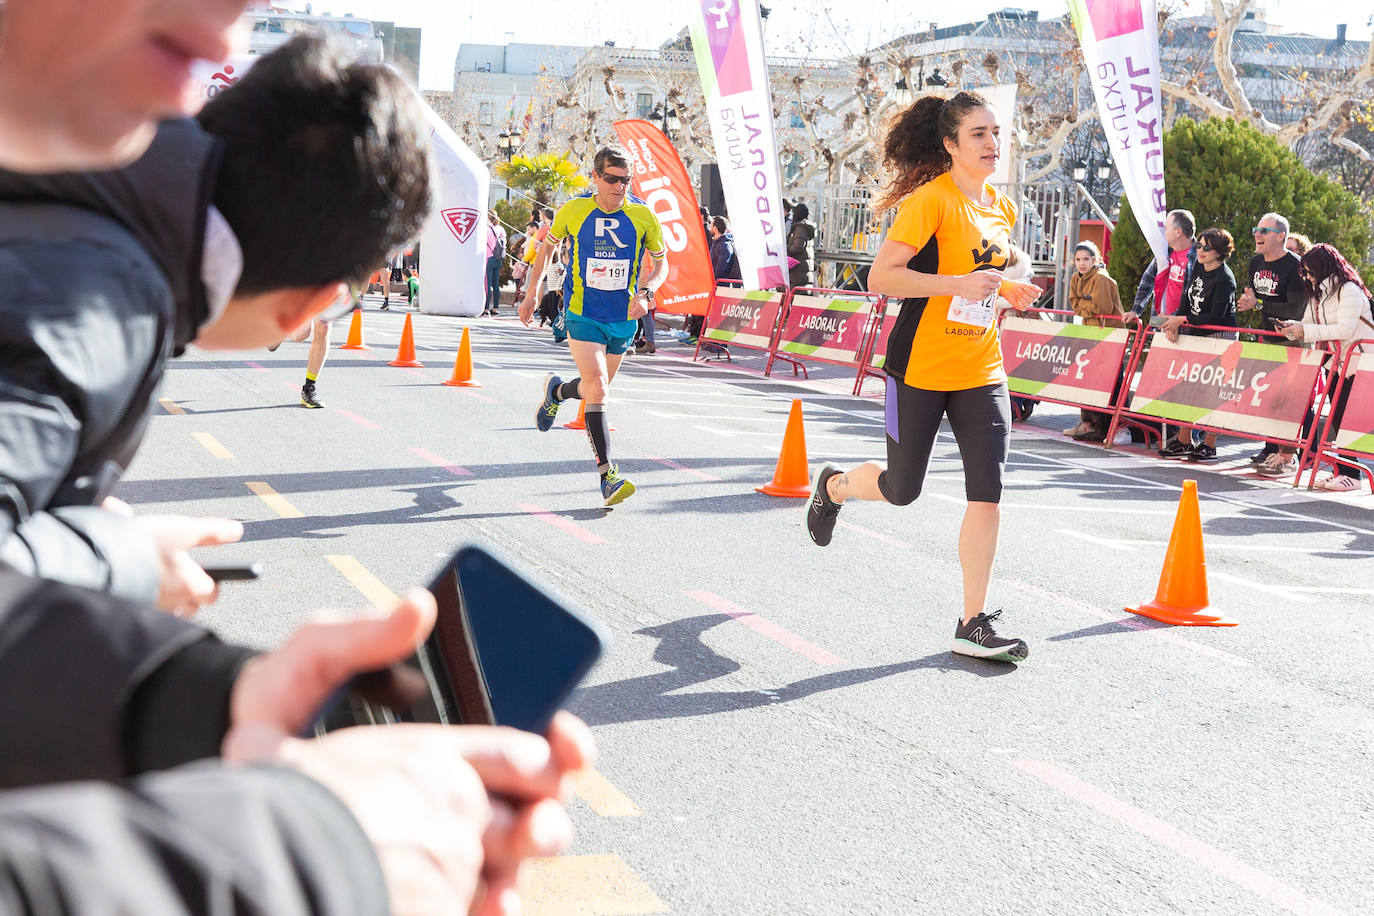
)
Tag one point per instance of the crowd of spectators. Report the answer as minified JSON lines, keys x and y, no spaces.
{"x":1305,"y":294}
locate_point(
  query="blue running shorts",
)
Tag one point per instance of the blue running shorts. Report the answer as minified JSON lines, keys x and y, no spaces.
{"x":616,"y":335}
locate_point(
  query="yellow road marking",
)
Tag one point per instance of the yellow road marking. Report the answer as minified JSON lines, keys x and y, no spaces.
{"x":358,"y":576}
{"x":587,"y":886}
{"x":274,"y":500}
{"x":212,"y":445}
{"x":171,"y":406}
{"x":603,"y":798}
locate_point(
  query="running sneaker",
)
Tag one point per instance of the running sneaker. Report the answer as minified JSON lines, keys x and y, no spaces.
{"x":1175,"y":450}
{"x":1340,"y":483}
{"x":1278,"y":465}
{"x":1202,"y":452}
{"x":614,"y":488}
{"x":821,"y":510}
{"x":1260,"y":457}
{"x":308,"y":398}
{"x":548,"y":408}
{"x":386,"y":305}
{"x":978,"y":639}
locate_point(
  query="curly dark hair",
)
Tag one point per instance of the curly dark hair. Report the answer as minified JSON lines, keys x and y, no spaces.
{"x":914,"y":151}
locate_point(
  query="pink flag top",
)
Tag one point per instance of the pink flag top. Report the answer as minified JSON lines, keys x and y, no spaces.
{"x":1111,"y":18}
{"x":727,"y":41}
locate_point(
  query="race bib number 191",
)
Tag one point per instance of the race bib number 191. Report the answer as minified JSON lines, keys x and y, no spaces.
{"x":977,"y":313}
{"x":608,"y":273}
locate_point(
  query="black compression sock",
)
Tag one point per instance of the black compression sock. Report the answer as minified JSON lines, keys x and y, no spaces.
{"x":568,"y":390}
{"x":597,"y":432}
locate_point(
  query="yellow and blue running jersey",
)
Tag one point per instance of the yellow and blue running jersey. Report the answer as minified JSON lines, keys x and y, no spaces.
{"x":607,"y":252}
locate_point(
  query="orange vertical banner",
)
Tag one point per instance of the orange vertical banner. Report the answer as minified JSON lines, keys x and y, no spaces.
{"x":660,"y":180}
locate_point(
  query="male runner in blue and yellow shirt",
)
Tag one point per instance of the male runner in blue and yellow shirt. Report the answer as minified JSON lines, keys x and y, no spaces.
{"x":604,"y":296}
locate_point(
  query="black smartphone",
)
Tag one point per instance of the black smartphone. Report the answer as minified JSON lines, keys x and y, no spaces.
{"x":503,"y":651}
{"x":234,"y":572}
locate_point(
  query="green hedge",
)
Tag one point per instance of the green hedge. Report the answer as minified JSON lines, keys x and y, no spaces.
{"x":1229,"y":174}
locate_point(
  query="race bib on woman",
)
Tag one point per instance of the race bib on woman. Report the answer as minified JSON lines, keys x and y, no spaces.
{"x":977,"y":313}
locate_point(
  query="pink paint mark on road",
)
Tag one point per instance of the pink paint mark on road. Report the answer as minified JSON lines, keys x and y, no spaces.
{"x":361,"y":421}
{"x":679,"y":467}
{"x":1158,"y":631}
{"x":768,"y":628}
{"x":258,"y":366}
{"x":1214,"y":860}
{"x":562,"y":524}
{"x":876,"y":535}
{"x":434,"y":459}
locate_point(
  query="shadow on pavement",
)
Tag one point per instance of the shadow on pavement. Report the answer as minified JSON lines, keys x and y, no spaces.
{"x":693,"y":662}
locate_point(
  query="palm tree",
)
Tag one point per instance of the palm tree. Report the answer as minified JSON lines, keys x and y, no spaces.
{"x":545,"y":175}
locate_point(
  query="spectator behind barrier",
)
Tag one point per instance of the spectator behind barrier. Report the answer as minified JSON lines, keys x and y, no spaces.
{"x":1094,"y":297}
{"x":1166,"y":290}
{"x":801,"y":245}
{"x":1272,"y":284}
{"x":1209,"y":300}
{"x":1298,"y":243}
{"x":1093,"y":294}
{"x":1337,"y":314}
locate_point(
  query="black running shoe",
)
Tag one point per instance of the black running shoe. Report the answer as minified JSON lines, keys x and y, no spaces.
{"x":308,"y":398}
{"x":978,"y":639}
{"x":1202,"y":452}
{"x":1175,"y":450}
{"x":548,"y":408}
{"x":821,"y":510}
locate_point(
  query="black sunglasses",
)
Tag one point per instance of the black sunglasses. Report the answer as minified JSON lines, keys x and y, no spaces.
{"x":616,"y":179}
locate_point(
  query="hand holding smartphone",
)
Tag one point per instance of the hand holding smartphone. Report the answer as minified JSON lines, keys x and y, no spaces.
{"x":503,"y":651}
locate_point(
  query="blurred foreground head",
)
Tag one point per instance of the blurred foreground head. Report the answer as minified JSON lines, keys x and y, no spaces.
{"x":82,"y":83}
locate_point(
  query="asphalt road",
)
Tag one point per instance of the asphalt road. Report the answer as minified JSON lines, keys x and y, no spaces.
{"x":782,"y":729}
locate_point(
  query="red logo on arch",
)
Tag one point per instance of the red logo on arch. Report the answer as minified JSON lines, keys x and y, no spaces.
{"x":461,"y":221}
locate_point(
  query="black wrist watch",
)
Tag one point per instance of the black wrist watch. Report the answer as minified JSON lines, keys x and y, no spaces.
{"x":647,"y":293}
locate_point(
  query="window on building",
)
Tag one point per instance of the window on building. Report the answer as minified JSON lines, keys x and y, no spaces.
{"x":484,"y":113}
{"x":644,"y":104}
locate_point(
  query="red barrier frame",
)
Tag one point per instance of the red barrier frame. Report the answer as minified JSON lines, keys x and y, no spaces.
{"x":724,"y":347}
{"x":1299,"y":445}
{"x":1323,"y":449}
{"x":1134,"y":343}
{"x":866,"y":357}
{"x":797,"y":361}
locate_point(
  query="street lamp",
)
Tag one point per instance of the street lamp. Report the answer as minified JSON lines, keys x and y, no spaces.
{"x":671,"y":123}
{"x":508,"y":142}
{"x":901,"y":93}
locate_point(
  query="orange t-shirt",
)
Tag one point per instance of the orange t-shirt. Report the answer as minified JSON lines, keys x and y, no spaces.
{"x":947,"y":343}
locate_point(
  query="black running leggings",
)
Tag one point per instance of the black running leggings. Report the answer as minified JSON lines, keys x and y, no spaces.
{"x":981,"y":421}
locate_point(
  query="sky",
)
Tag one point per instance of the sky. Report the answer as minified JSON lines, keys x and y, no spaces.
{"x":798,"y":27}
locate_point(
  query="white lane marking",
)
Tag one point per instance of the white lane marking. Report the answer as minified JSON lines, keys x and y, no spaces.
{"x":1282,"y":591}
{"x":1113,"y":510}
{"x":1111,"y":543}
{"x":1332,"y":591}
{"x":717,"y":432}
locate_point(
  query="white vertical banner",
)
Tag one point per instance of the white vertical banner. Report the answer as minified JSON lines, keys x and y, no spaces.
{"x":453,"y":240}
{"x":1120,"y":40}
{"x":727,"y":38}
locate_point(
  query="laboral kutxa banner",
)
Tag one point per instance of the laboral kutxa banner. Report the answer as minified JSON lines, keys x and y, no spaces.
{"x":727,"y":38}
{"x":745,"y":317}
{"x":1256,"y":388}
{"x":660,"y":180}
{"x":1357,"y":426}
{"x":1075,"y":363}
{"x":825,"y":327}
{"x":1120,"y":40}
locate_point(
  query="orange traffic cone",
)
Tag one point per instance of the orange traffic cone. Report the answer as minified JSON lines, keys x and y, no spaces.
{"x":1181,"y":598}
{"x":581,"y":421}
{"x":405,"y":353}
{"x":792,"y":477}
{"x":462,"y":366}
{"x":355,"y":333}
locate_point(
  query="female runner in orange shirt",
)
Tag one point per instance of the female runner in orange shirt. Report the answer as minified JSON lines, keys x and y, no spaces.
{"x":943,"y":257}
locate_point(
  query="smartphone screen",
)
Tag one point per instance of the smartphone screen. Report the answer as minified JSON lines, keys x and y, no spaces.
{"x":503,"y":651}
